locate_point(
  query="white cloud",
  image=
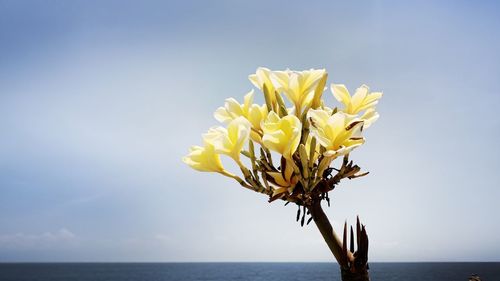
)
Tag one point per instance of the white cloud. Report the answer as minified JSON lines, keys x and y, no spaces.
{"x":44,"y":240}
{"x":165,"y":239}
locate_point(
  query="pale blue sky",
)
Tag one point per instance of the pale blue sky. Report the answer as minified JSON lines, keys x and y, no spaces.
{"x":99,"y":101}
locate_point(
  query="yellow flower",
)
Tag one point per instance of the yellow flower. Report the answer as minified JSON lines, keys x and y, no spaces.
{"x":298,"y":86}
{"x":257,"y":113}
{"x":361,"y":100}
{"x":339,"y":133}
{"x":253,"y":112}
{"x":263,"y":76}
{"x":281,"y":134}
{"x":230,"y":141}
{"x":369,"y":117}
{"x":232,"y":109}
{"x":284,"y":181}
{"x":203,"y":159}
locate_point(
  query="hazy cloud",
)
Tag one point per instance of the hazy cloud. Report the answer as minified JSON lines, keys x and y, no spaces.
{"x":45,"y":240}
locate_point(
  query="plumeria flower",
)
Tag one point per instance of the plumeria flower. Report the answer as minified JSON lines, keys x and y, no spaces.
{"x":339,"y":133}
{"x":262,"y":77}
{"x":232,"y":109}
{"x":203,"y":159}
{"x":281,"y":134}
{"x":369,"y":117}
{"x":306,"y":150}
{"x":360,"y":101}
{"x":230,"y":141}
{"x":298,"y":86}
{"x":254,"y":113}
{"x":284,"y":181}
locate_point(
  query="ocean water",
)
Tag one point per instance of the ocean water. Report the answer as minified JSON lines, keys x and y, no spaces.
{"x":240,"y":271}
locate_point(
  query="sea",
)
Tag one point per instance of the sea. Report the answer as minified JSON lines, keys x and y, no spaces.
{"x":240,"y":271}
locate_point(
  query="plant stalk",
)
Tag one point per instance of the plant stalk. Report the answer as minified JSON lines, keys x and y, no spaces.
{"x":350,"y":270}
{"x":326,"y":229}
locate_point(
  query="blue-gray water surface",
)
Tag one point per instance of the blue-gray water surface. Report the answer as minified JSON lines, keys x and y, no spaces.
{"x":240,"y":271}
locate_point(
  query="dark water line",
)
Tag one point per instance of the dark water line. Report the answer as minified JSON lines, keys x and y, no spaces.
{"x":452,"y":271}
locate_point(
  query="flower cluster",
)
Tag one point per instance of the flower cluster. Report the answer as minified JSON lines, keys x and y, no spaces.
{"x":308,"y":135}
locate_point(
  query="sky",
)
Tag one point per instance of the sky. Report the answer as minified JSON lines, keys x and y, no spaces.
{"x":100,"y":100}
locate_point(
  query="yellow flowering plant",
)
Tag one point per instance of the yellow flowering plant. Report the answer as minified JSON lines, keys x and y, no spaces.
{"x":307,"y":136}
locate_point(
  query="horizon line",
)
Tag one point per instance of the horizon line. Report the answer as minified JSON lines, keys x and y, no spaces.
{"x":179,"y":262}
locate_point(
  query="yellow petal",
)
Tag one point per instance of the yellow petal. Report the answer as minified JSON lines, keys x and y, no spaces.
{"x":358,"y":99}
{"x":318,"y":117}
{"x":341,"y":93}
{"x":247,"y":101}
{"x":203,"y":159}
{"x":278,"y":178}
{"x":281,"y":134}
{"x":222,"y":115}
{"x":369,"y":117}
{"x":256,"y":114}
{"x":234,"y":107}
{"x":238,"y":132}
{"x":213,"y":134}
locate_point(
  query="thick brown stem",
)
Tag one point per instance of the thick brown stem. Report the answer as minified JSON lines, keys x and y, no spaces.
{"x":348,"y":275}
{"x":352,"y":268}
{"x":326,"y":229}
